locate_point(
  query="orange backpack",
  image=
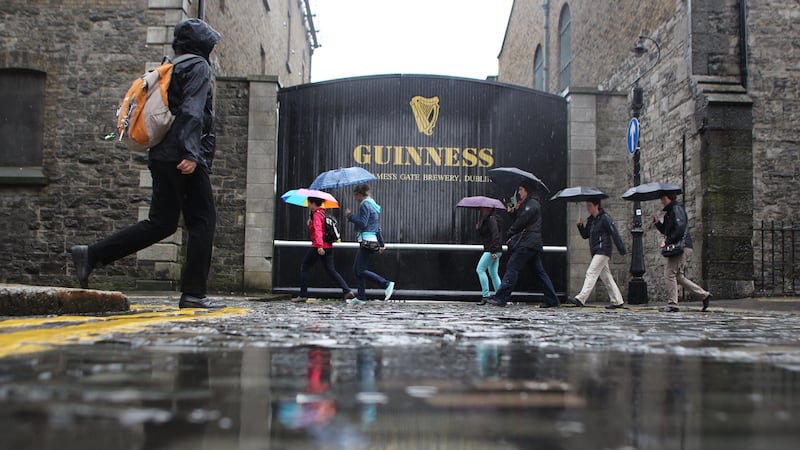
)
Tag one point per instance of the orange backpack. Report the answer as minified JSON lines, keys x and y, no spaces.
{"x":144,"y":118}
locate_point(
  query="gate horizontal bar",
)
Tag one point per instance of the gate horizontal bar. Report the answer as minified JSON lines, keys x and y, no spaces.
{"x":402,"y":246}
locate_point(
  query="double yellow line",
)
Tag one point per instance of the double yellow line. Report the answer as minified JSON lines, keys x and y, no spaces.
{"x":23,"y":336}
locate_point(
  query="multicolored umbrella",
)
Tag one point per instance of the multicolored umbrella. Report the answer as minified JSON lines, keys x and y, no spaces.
{"x":300,"y":197}
{"x":480,"y":201}
{"x":579,"y":194}
{"x":343,"y":176}
{"x":650,"y":191}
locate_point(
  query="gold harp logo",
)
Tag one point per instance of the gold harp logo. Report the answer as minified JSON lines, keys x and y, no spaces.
{"x":426,"y":112}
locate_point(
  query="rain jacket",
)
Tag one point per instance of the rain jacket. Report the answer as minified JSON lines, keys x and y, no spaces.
{"x":190,"y":99}
{"x":675,"y":224}
{"x":489,"y":230}
{"x":316,"y":229}
{"x":526,"y":231}
{"x":601,"y":231}
{"x":367,"y":221}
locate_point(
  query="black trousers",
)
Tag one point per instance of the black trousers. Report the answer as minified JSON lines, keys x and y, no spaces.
{"x":173,"y":194}
{"x":327,"y":262}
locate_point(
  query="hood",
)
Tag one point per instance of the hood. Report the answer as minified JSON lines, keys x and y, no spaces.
{"x":196,"y":37}
{"x":374,"y":205}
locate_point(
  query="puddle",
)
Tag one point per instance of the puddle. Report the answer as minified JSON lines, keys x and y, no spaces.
{"x":494,"y":394}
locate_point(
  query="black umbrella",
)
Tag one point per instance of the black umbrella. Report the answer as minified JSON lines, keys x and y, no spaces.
{"x":650,"y":191}
{"x":579,"y":194}
{"x":509,"y":179}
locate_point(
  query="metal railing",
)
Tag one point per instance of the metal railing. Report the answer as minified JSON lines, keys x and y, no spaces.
{"x":776,"y":261}
{"x":401,"y":246}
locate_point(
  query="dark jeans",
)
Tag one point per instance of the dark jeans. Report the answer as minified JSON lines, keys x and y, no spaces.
{"x":518,"y":260}
{"x":173,"y":194}
{"x":327,"y":262}
{"x":361,"y":269}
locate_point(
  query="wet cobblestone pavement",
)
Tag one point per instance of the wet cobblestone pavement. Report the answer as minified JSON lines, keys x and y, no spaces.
{"x":415,"y":375}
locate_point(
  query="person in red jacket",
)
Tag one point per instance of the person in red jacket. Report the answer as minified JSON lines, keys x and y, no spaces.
{"x":320,"y":250}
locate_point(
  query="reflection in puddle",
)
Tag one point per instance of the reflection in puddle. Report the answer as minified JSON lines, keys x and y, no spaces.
{"x":473,"y":396}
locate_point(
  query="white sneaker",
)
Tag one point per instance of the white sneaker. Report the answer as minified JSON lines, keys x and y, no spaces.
{"x":355,"y":301}
{"x":389,"y":290}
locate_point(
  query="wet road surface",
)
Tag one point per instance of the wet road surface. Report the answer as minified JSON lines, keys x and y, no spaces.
{"x":275,"y":375}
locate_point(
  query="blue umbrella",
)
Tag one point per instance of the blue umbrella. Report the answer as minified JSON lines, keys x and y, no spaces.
{"x":341,"y":177}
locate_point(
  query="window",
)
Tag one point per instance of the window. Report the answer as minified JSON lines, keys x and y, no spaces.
{"x":538,"y":69}
{"x":564,"y":53}
{"x":21,"y":125}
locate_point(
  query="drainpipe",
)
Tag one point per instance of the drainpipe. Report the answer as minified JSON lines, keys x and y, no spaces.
{"x":545,"y":53}
{"x":201,"y":9}
{"x":743,"y":41}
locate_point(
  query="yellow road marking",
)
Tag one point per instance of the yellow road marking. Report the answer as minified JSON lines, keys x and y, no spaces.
{"x":38,"y":334}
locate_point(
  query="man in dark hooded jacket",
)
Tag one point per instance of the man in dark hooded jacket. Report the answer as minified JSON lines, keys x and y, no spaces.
{"x":525,"y":243}
{"x":180,"y":167}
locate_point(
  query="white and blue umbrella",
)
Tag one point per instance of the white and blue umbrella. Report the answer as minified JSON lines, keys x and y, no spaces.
{"x":343,"y":176}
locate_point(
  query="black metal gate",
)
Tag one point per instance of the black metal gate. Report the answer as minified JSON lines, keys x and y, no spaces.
{"x":430,"y":141}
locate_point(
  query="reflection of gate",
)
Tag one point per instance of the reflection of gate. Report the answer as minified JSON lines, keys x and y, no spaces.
{"x":430,"y":141}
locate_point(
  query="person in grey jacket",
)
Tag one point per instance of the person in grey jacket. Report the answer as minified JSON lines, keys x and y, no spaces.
{"x":180,"y":166}
{"x":601,"y":231}
{"x":525,"y":243}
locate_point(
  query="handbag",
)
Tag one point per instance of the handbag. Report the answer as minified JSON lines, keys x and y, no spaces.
{"x":674,"y":249}
{"x":370,"y":246}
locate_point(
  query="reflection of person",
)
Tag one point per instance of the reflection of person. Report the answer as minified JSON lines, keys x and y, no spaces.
{"x":675,"y":228}
{"x":320,"y":250}
{"x":489,"y":230}
{"x":525,"y":243}
{"x":600,"y":230}
{"x":368,"y":229}
{"x":180,"y":167}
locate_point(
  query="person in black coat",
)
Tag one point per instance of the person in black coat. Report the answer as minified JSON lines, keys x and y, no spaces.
{"x":180,"y":166}
{"x":675,"y":229}
{"x":489,"y":229}
{"x":524,"y":239}
{"x":601,"y":231}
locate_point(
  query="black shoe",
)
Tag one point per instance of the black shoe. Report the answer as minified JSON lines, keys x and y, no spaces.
{"x":484,"y":300}
{"x":574,"y":301}
{"x":671,"y":307}
{"x":348,"y":295}
{"x":613,"y":306}
{"x":497,"y":302}
{"x":706,"y":300}
{"x":80,"y":257}
{"x":550,"y":305}
{"x":190,"y":301}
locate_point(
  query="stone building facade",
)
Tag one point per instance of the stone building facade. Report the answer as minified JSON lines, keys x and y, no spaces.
{"x":720,"y":117}
{"x":63,"y":69}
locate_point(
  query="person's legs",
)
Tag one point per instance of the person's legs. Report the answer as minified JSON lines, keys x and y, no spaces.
{"x":550,"y":296}
{"x":481,"y":269}
{"x":685,"y":282}
{"x":359,"y":267}
{"x":200,"y":217}
{"x":162,"y":221}
{"x":592,"y":273}
{"x":614,"y":294}
{"x":309,"y":260}
{"x":328,"y":261}
{"x":670,"y":277}
{"x":494,"y":273}
{"x":518,"y":260}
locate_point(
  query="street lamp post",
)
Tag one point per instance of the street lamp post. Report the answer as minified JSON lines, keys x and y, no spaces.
{"x":637,"y":286}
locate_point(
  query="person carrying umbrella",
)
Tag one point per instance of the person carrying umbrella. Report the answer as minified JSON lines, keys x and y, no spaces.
{"x":525,"y":243}
{"x":368,"y":234}
{"x":675,"y":229}
{"x":601,"y":231}
{"x":320,"y":250}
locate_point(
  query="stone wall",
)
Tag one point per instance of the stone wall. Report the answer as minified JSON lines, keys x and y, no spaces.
{"x":692,"y":132}
{"x":90,"y":51}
